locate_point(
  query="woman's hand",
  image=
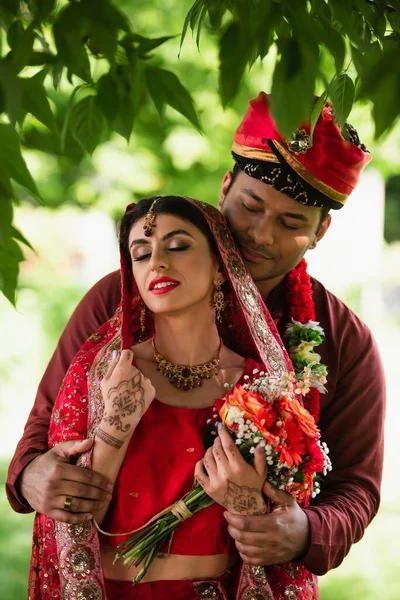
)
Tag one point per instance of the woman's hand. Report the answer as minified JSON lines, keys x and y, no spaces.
{"x":127,"y":394}
{"x":229,"y":480}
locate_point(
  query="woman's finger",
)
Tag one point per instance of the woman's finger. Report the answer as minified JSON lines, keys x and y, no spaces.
{"x":112,"y":364}
{"x":231,"y":450}
{"x":209,"y":463}
{"x":201,"y":475}
{"x":126,"y":357}
{"x":221,"y":459}
{"x":260,"y":463}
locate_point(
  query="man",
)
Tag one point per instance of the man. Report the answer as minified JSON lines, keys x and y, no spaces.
{"x":277,"y":202}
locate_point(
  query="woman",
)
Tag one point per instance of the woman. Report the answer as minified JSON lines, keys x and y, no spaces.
{"x":147,"y":410}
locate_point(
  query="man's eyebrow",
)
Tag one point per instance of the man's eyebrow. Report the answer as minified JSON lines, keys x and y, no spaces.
{"x":166,"y":237}
{"x":298,"y":216}
{"x":253,"y":195}
{"x":258,"y":199}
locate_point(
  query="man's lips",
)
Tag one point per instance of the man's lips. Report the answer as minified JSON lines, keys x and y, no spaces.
{"x":161,"y":285}
{"x":253,"y":256}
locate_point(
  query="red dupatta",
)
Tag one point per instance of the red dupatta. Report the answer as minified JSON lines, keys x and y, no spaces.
{"x":66,"y":562}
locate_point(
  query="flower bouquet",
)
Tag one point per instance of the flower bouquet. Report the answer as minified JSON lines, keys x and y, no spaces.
{"x":266,"y":411}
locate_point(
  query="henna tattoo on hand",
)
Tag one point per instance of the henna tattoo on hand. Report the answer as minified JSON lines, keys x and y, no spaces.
{"x":109,"y":439}
{"x":127,"y":399}
{"x":244,"y":500}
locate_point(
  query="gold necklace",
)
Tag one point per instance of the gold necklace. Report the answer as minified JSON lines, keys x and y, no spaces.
{"x":182,"y":376}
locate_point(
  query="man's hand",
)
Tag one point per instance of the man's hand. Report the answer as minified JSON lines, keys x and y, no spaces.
{"x":277,"y":537}
{"x":49,"y":479}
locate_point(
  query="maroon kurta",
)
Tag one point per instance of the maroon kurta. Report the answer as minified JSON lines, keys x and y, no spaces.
{"x":352,"y":415}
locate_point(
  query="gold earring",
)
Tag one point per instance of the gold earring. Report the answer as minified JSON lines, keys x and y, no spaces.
{"x":219,"y":303}
{"x":142,"y":333}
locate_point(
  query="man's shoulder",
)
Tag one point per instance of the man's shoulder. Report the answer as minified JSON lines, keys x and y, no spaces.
{"x":108,"y":286}
{"x":333,"y":313}
{"x":101,"y":300}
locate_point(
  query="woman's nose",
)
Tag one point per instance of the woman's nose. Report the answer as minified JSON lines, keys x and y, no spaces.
{"x":158,"y":261}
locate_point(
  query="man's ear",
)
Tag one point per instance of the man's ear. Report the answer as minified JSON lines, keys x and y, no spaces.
{"x":224,"y":188}
{"x":323,"y":228}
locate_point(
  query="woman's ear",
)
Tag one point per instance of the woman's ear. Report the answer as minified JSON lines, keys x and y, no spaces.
{"x":219,"y":277}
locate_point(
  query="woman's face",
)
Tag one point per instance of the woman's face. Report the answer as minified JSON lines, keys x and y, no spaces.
{"x":174,"y":268}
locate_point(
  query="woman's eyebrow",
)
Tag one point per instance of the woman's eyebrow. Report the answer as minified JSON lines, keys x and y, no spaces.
{"x":171,"y":234}
{"x":166,"y":237}
{"x":138,"y":241}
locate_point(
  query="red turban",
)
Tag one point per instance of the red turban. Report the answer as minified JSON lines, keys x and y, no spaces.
{"x":323,"y":173}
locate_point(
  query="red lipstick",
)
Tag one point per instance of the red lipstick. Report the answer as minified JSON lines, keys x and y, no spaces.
{"x":162,"y":285}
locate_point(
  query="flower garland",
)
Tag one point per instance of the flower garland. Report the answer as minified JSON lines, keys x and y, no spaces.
{"x":303,"y":334}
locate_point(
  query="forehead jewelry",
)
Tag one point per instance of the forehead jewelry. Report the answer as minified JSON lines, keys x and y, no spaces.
{"x":183,"y":376}
{"x":150,"y":220}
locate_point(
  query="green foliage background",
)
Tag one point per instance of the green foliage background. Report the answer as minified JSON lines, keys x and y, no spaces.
{"x":144,"y":122}
{"x":74,"y":74}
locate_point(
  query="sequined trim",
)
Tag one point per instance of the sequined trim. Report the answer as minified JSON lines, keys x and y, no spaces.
{"x":254,"y":153}
{"x":208,"y":590}
{"x":292,"y":161}
{"x":262,"y":329}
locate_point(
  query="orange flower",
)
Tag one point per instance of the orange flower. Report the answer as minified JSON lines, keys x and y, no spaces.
{"x":304,"y":418}
{"x":248,"y":402}
{"x":293,"y":447}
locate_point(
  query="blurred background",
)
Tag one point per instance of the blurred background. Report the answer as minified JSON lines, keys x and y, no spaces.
{"x":75,"y":245}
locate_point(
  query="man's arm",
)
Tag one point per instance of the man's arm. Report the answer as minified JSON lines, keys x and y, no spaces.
{"x":353,"y":427}
{"x":96,"y":308}
{"x":352,"y":422}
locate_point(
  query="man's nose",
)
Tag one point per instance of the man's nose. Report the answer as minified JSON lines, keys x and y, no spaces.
{"x":261,"y":232}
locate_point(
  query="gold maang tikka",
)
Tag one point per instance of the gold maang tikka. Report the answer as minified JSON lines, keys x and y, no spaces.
{"x":150,"y":220}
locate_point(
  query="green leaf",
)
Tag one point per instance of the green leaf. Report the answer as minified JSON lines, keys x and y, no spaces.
{"x":71,"y":30}
{"x":11,"y":6}
{"x":335,"y":43}
{"x":42,"y":58}
{"x":394,"y":20}
{"x":87,"y":123}
{"x":35,"y":101}
{"x":386,"y":108}
{"x":293,"y":84}
{"x":22,"y":51}
{"x":107,"y":98}
{"x":16,"y":234}
{"x":6,"y":217}
{"x":165,"y":88}
{"x":11,"y":90}
{"x":103,"y":40}
{"x":41,"y":9}
{"x":144,"y":45}
{"x":316,"y":111}
{"x":10,"y":257}
{"x":341,"y":91}
{"x":15,"y":34}
{"x":200,"y":25}
{"x":234,"y":52}
{"x":191,"y":19}
{"x":11,"y":157}
{"x":216,"y":11}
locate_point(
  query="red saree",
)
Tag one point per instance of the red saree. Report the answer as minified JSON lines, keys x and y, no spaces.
{"x":66,"y":561}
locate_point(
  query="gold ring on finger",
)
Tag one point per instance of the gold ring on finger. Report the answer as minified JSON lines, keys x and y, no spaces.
{"x":67,"y":503}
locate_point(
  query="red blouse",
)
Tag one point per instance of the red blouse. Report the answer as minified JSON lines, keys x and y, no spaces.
{"x":158,"y":470}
